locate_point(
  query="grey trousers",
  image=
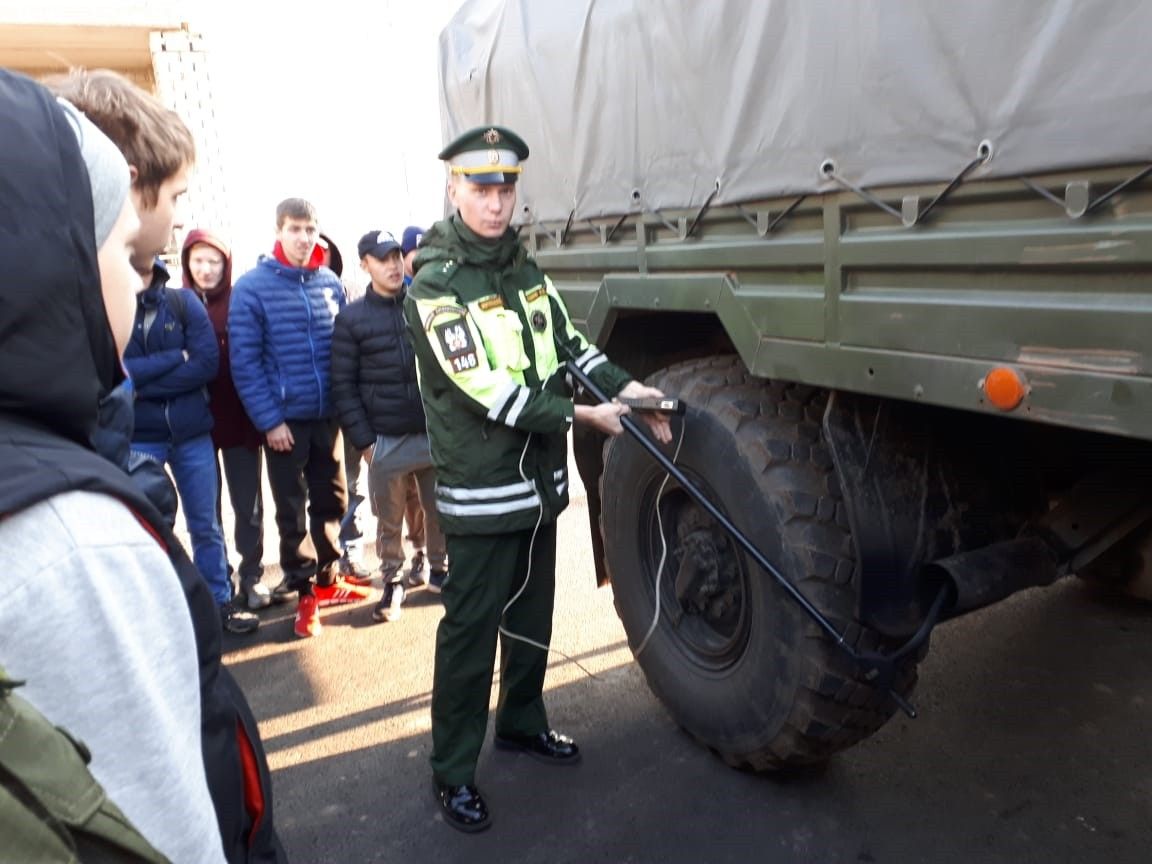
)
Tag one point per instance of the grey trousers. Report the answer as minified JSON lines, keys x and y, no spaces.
{"x":414,"y":515}
{"x":393,"y":459}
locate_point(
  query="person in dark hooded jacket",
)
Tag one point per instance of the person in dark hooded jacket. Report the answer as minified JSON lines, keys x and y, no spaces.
{"x":206,"y":262}
{"x":94,"y":618}
{"x":158,"y":146}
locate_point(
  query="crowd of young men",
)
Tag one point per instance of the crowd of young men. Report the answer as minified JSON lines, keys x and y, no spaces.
{"x":448,"y":379}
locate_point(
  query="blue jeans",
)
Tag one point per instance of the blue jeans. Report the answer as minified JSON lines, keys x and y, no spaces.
{"x":352,"y":532}
{"x":193,"y":466}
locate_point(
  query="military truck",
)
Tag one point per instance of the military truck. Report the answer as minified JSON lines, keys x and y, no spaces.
{"x":895,"y":259}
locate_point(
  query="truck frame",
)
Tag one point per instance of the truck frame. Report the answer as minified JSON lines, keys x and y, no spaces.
{"x":914,"y":396}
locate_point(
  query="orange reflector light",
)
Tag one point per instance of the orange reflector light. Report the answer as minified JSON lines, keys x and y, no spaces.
{"x":1005,"y":388}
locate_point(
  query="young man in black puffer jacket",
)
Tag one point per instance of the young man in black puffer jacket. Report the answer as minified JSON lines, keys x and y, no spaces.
{"x":377,"y":399}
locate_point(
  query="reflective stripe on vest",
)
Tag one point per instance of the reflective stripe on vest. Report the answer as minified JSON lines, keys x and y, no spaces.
{"x":509,"y":403}
{"x":590,"y":359}
{"x":493,"y":500}
{"x":486,"y":500}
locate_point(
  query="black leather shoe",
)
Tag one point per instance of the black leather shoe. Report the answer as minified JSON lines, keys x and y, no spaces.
{"x":463,"y":806}
{"x":550,"y":747}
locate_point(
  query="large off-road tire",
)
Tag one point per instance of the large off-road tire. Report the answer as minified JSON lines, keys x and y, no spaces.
{"x":733,"y":658}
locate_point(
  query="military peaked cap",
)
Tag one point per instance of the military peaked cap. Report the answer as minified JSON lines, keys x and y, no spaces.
{"x":486,"y":154}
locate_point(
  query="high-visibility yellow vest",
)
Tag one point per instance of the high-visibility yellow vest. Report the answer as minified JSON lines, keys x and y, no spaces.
{"x":491,"y":346}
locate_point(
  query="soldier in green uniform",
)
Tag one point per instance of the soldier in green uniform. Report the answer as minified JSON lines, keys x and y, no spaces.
{"x":492,"y":337}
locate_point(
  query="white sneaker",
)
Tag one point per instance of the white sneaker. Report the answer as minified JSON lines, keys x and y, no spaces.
{"x":259,"y":596}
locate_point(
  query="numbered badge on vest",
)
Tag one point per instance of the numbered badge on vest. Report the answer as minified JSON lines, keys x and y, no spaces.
{"x":457,"y":345}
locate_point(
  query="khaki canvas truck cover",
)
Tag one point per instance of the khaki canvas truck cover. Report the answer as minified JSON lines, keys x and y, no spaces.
{"x":669,"y":98}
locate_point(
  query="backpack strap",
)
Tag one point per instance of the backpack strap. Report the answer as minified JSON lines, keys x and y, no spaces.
{"x":51,"y":807}
{"x":178,"y":301}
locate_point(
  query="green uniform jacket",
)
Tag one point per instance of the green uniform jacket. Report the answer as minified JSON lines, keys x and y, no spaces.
{"x":492,"y":337}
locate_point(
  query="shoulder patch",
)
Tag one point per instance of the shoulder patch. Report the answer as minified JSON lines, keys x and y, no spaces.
{"x":448,"y":309}
{"x":490,"y":303}
{"x":536,"y":293}
{"x":457,"y":345}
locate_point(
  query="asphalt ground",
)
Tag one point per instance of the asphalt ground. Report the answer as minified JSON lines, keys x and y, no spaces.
{"x":1034,"y":744}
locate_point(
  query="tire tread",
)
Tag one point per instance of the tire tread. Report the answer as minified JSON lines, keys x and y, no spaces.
{"x":778,"y":429}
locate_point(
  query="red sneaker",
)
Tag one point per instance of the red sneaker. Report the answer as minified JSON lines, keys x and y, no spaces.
{"x":307,"y":617}
{"x":341,"y":591}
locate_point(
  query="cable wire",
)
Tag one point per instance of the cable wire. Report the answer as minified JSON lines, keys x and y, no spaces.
{"x":504,"y":631}
{"x":663,"y":550}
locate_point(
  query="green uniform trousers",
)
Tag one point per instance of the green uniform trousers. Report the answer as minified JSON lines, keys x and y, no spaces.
{"x":487,"y":571}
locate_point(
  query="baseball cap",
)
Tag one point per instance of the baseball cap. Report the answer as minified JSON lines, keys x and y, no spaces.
{"x":377,"y":244}
{"x":411,"y":238}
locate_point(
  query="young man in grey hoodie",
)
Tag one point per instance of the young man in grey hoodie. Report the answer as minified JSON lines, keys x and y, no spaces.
{"x":94,"y":618}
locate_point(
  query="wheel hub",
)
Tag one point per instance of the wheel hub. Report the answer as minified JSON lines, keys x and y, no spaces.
{"x":704,"y":582}
{"x":704,"y":597}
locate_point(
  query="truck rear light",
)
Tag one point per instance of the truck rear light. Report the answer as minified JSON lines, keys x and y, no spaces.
{"x":1004,"y":387}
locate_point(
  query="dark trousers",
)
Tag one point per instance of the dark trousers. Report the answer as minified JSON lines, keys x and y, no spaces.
{"x":243,"y":472}
{"x":588,"y":452}
{"x":487,"y":571}
{"x":352,"y":460}
{"x":308,"y":490}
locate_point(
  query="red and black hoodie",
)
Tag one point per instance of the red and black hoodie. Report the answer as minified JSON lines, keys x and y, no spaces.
{"x":231,"y":426}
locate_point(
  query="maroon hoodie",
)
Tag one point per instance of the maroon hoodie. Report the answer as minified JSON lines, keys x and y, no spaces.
{"x":232,"y":427}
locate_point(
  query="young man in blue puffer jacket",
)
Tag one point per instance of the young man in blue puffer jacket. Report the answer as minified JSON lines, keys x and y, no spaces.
{"x":171,"y":358}
{"x":280,"y":324}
